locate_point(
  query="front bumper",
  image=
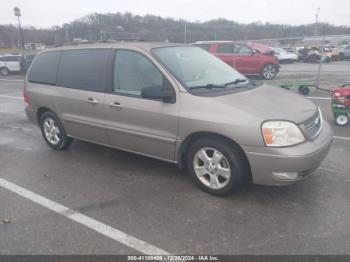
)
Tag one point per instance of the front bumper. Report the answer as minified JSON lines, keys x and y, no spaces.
{"x":302,"y":159}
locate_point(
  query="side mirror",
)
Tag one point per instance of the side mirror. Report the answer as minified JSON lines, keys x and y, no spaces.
{"x":157,"y":92}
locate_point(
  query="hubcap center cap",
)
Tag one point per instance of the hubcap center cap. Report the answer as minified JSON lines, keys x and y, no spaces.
{"x":211,"y":168}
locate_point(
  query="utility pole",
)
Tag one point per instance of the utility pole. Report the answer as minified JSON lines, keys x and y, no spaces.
{"x":316,"y":22}
{"x":66,"y":34}
{"x":185,"y":37}
{"x":18,"y":14}
{"x":320,"y":64}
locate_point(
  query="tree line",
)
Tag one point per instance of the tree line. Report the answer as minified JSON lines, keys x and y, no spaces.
{"x":126,"y":26}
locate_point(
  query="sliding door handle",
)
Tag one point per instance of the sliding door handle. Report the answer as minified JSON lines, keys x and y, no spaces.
{"x":116,"y":105}
{"x":92,"y":100}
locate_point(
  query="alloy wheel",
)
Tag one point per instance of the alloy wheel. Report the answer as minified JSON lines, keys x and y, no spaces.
{"x":269,"y":72}
{"x":212,"y":168}
{"x":4,"y":71}
{"x":51,"y":131}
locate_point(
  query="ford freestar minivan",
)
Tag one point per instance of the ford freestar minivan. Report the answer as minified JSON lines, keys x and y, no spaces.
{"x":179,"y":104}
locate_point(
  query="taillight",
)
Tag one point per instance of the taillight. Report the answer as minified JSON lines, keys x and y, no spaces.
{"x":26,"y":97}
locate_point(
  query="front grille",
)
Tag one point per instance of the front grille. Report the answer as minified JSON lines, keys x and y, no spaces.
{"x":312,"y":126}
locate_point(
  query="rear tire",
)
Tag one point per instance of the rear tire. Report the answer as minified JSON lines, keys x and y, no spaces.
{"x":53,"y":131}
{"x":217,"y":167}
{"x":4,"y":71}
{"x":341,"y":56}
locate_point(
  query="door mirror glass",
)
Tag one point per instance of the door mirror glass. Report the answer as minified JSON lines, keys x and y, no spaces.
{"x":157,"y":92}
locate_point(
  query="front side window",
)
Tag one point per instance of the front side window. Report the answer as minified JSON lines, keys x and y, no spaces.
{"x":193,"y":66}
{"x":243,"y":50}
{"x":134,"y":72}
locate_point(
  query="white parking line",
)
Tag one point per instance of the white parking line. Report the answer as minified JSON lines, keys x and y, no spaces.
{"x":342,"y":138}
{"x":11,"y":80}
{"x":319,"y":98}
{"x":12,"y":97}
{"x":91,"y":223}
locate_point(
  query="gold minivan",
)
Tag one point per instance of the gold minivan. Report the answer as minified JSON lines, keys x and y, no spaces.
{"x":180,"y":104}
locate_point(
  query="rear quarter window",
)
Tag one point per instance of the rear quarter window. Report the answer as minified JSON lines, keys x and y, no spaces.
{"x":44,"y":68}
{"x":85,"y":69}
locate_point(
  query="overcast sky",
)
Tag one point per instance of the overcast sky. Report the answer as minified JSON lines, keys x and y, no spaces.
{"x":47,"y":13}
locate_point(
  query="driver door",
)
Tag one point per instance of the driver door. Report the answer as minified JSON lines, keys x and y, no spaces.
{"x":246,"y":61}
{"x":134,"y":123}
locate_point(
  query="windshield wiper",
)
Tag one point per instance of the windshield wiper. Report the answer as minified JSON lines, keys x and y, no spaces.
{"x":237,"y":81}
{"x":208,"y":86}
{"x":211,"y":86}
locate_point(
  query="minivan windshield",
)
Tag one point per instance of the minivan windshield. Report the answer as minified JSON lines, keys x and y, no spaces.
{"x":196,"y":68}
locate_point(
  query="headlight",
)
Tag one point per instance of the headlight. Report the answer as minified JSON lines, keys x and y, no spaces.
{"x":281,"y":133}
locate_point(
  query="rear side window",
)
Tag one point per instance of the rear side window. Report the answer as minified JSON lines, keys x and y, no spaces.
{"x":204,"y":46}
{"x":10,"y":59}
{"x":85,"y":69}
{"x":44,"y":69}
{"x":226,"y":48}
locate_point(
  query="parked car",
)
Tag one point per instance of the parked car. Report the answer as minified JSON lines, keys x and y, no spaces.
{"x":243,"y":58}
{"x":331,"y":52}
{"x":283,"y":56}
{"x":309,"y":55}
{"x":179,"y":104}
{"x":10,"y":64}
{"x":344,"y":53}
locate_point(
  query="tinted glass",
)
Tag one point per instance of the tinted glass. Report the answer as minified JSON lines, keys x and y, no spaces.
{"x":44,"y":69}
{"x":11,"y":58}
{"x":133,"y":72}
{"x":85,"y":69}
{"x":226,"y":48}
{"x":204,"y":46}
{"x":243,"y":50}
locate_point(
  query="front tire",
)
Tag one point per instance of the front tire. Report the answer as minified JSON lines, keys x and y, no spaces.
{"x":217,"y":167}
{"x":53,"y":131}
{"x":269,"y":71}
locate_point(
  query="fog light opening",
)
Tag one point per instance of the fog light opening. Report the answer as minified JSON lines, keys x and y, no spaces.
{"x":285,"y":175}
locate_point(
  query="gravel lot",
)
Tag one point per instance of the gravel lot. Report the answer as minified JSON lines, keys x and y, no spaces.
{"x":154,"y":202}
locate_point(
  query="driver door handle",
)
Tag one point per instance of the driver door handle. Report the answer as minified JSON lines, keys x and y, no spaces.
{"x":116,"y":105}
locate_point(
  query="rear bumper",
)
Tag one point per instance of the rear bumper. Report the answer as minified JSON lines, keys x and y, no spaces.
{"x":31,"y":115}
{"x":302,"y":159}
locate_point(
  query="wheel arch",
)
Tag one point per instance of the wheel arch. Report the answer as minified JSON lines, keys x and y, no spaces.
{"x":42,"y":110}
{"x":181,"y":153}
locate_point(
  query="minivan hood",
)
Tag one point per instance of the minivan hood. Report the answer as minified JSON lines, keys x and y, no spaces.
{"x":270,"y":103}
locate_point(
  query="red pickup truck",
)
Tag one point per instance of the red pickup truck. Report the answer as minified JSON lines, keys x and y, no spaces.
{"x":243,"y":58}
